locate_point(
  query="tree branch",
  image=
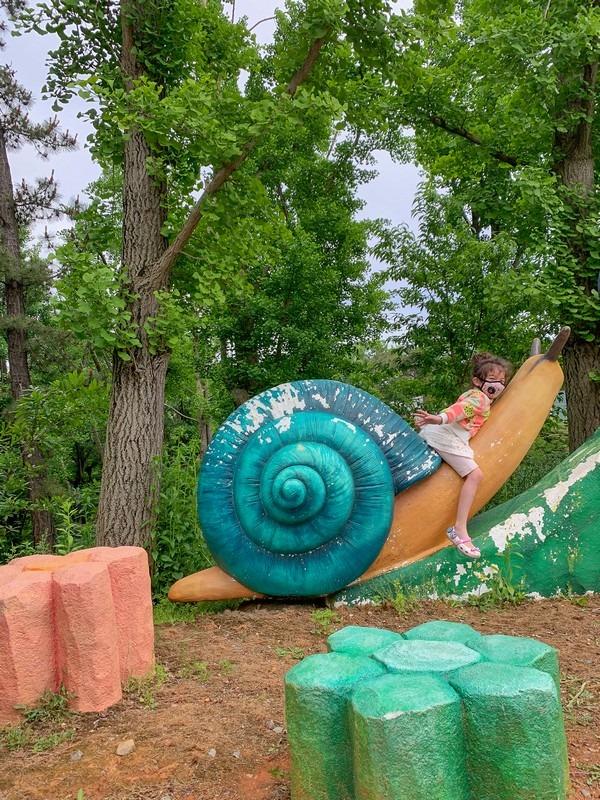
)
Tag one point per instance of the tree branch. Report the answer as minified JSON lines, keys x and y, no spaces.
{"x":256,"y":24}
{"x":221,"y":176}
{"x":440,"y":122}
{"x":180,"y":413}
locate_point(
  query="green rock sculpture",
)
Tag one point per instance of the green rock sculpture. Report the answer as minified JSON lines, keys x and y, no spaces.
{"x":426,"y":719}
{"x":545,"y":541}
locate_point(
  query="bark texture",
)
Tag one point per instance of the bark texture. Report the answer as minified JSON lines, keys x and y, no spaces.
{"x":575,"y":168}
{"x":580,"y":358}
{"x":130,"y":478}
{"x":134,"y":438}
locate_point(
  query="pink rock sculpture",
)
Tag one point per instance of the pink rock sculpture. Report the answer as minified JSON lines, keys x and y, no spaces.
{"x":82,"y":621}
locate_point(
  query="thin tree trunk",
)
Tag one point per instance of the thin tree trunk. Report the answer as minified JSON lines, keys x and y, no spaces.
{"x":20,"y":381}
{"x":204,"y":426}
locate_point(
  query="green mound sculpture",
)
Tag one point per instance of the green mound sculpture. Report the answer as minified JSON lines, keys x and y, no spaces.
{"x":423,"y":719}
{"x":546,"y":541}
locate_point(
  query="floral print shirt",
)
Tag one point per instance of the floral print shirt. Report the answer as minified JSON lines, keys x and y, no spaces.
{"x":470,"y":411}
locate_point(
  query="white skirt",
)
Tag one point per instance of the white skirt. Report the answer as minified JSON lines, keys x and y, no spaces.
{"x":443,"y":438}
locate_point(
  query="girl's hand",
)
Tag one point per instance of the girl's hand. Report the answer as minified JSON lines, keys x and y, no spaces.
{"x":424,"y":418}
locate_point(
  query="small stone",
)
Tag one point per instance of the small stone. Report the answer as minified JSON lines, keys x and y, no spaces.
{"x":165,"y":797}
{"x":278,"y":729}
{"x":271,"y":724}
{"x":126,"y":747}
{"x":76,"y":755}
{"x":212,"y":752}
{"x":236,"y":754}
{"x":585,"y":793}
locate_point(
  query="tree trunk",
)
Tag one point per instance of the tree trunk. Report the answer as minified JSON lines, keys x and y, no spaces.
{"x":204,"y":426}
{"x":134,"y":436}
{"x":575,"y":168}
{"x":580,"y":358}
{"x":20,"y":381}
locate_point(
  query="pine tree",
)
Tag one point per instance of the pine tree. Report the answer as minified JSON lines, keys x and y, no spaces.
{"x":19,"y":208}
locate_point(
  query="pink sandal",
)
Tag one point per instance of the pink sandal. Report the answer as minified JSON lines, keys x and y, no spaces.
{"x":466,"y":546}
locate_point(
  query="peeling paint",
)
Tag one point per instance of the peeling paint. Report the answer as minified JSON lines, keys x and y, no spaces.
{"x":517,"y":524}
{"x":322,"y":400}
{"x":555,"y":494}
{"x":345,"y":422}
{"x":283,"y":424}
{"x":460,"y":571}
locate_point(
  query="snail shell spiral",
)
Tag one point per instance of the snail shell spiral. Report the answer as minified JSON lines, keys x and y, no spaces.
{"x":296,"y":490}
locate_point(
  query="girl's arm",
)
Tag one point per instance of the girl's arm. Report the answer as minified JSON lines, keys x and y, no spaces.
{"x":424,"y":418}
{"x":465,"y":407}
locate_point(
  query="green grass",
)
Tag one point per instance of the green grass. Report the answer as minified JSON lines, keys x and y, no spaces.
{"x":167,"y":613}
{"x":297,"y":653}
{"x":35,"y":731}
{"x":144,"y":687}
{"x":403,"y":599}
{"x":226,"y":667}
{"x":324,"y":619}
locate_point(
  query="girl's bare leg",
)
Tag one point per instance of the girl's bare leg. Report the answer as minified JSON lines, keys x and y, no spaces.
{"x":465,"y":500}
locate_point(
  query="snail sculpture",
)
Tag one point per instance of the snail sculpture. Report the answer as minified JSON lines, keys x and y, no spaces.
{"x":314,"y":485}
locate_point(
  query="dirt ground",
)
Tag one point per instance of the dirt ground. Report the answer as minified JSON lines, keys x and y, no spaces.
{"x":214,"y":729}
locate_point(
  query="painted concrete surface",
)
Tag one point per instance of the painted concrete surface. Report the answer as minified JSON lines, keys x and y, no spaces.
{"x":302,"y":478}
{"x":546,"y":540}
{"x":488,"y":730}
{"x":87,"y":617}
{"x":356,"y":640}
{"x":317,"y":692}
{"x":240,"y":495}
{"x":406,"y":732}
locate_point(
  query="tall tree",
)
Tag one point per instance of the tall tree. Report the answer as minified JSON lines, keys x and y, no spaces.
{"x":311,"y":299}
{"x":165,"y":78}
{"x":502,"y":98}
{"x":19,"y":208}
{"x":457,"y":294}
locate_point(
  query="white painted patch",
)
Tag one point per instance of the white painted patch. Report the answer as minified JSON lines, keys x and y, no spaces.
{"x":358,"y":602}
{"x":555,"y":494}
{"x":518,"y":524}
{"x":322,"y":400}
{"x":345,"y":422}
{"x":378,"y":430}
{"x":461,"y":598}
{"x":283,"y":424}
{"x":394,"y":714}
{"x":460,"y":571}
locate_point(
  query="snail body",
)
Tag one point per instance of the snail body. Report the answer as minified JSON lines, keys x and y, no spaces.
{"x":314,"y":485}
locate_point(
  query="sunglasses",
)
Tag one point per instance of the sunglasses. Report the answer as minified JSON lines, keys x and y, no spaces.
{"x":492,"y":387}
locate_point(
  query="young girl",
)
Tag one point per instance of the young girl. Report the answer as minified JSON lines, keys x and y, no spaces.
{"x":449,"y":432}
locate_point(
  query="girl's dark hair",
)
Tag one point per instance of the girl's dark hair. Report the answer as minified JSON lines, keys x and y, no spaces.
{"x":483,"y":361}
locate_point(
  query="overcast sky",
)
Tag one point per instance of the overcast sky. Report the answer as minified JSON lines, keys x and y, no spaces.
{"x":390,"y":195}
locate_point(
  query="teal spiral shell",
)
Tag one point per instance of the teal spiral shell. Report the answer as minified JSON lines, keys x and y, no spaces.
{"x":296,"y":490}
